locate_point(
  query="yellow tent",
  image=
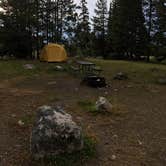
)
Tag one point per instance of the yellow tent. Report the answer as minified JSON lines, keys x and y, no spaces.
{"x":53,"y":53}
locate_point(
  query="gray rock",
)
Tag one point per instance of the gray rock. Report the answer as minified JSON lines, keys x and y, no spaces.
{"x":120,"y":76}
{"x":5,"y":57}
{"x":162,"y":81}
{"x":59,"y":68}
{"x":29,"y":66}
{"x":54,"y":133}
{"x":103,"y":105}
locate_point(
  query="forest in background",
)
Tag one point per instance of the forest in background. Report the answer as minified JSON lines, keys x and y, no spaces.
{"x":129,"y":29}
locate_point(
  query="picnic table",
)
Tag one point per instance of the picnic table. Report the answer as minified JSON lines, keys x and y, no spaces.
{"x":85,"y":67}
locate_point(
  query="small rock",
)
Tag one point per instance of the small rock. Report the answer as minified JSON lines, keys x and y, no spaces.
{"x":5,"y":57}
{"x":129,"y":86}
{"x":116,"y":90}
{"x":21,"y":123}
{"x":113,"y":157}
{"x":139,"y":142}
{"x":115,"y":136}
{"x":59,"y":68}
{"x":52,"y":83}
{"x":29,"y":66}
{"x":120,"y":76}
{"x":54,"y":133}
{"x":162,"y":81}
{"x":106,"y":93}
{"x":13,"y":116}
{"x":103,"y":104}
{"x":79,"y":118}
{"x":76,"y":89}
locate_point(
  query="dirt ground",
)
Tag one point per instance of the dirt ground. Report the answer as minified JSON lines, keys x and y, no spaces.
{"x":136,"y":135}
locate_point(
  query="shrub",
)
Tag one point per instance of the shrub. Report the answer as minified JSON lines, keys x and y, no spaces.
{"x":160,"y":54}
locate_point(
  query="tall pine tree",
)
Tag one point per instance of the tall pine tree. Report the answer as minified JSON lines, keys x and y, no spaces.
{"x":128,"y":32}
{"x":83,"y":28}
{"x":109,"y":47}
{"x":161,"y":14}
{"x":16,"y":28}
{"x":70,"y":24}
{"x":100,"y":21}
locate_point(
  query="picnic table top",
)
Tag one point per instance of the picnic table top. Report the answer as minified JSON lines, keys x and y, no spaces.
{"x":85,"y":63}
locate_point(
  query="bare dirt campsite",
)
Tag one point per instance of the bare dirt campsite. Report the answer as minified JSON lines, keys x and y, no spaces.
{"x":82,"y":82}
{"x":133,"y":134}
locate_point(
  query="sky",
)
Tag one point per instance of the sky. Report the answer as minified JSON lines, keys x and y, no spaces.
{"x":91,"y":5}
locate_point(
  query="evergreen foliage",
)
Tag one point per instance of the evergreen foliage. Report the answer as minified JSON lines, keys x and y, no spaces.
{"x":100,"y":21}
{"x":128,"y":32}
{"x":83,"y":28}
{"x":131,"y":29}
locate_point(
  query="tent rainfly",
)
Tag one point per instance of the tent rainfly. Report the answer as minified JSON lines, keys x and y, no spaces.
{"x":53,"y":53}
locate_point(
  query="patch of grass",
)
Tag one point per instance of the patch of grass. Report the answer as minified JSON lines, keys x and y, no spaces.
{"x":88,"y":106}
{"x":74,"y":159}
{"x":13,"y":68}
{"x":28,"y":120}
{"x":138,"y":72}
{"x":53,"y":98}
{"x":91,"y":107}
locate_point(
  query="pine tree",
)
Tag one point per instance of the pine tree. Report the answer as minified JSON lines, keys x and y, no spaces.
{"x":150,"y":11}
{"x":129,"y":36}
{"x":70,"y":24}
{"x":161,"y":14}
{"x":149,"y":8}
{"x":119,"y":27}
{"x":83,"y":27}
{"x":109,"y":47}
{"x":100,"y":21}
{"x":16,"y":26}
{"x":141,"y":35}
{"x":109,"y":21}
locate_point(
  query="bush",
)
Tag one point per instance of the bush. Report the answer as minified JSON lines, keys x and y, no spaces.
{"x":115,"y":56}
{"x":160,"y":54}
{"x":74,"y":159}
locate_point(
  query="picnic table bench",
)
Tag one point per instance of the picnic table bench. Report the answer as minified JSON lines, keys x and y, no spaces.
{"x":97,"y":70}
{"x":86,"y":68}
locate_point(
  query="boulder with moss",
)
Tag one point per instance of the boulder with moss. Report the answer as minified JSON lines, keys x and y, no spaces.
{"x":55,"y":133}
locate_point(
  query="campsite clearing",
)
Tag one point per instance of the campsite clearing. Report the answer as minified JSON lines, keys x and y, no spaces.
{"x":133,"y":135}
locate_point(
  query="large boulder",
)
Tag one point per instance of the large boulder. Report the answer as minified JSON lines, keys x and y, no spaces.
{"x":103,"y":104}
{"x":54,"y":133}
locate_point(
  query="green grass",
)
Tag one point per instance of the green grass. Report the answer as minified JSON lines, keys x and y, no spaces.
{"x":74,"y":159}
{"x":88,"y":106}
{"x":13,"y":68}
{"x":138,"y":72}
{"x":28,"y":119}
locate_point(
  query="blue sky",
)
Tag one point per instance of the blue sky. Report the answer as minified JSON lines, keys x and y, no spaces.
{"x":91,"y":5}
